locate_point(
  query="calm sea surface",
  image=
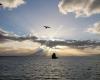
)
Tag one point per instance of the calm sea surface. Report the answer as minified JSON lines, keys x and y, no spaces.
{"x":35,"y":68}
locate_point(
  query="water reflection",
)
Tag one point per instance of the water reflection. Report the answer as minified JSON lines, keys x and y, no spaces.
{"x":33,"y":68}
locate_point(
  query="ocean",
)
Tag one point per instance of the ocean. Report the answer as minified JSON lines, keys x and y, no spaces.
{"x":45,"y":68}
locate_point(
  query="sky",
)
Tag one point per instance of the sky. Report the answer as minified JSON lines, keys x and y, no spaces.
{"x":68,"y":19}
{"x":28,"y":16}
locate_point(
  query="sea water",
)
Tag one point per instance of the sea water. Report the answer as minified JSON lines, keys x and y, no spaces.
{"x":37,"y":68}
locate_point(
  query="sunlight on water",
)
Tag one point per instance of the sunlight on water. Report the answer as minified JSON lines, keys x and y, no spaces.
{"x":32,"y":68}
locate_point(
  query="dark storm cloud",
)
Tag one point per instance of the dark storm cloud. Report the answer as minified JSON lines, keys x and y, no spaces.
{"x":80,"y":7}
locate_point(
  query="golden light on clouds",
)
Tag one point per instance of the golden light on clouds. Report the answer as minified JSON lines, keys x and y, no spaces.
{"x":68,"y":51}
{"x":28,"y":47}
{"x":14,"y":47}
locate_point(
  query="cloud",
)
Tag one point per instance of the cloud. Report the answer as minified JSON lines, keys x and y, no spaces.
{"x":12,"y":44}
{"x":11,"y":3}
{"x":15,"y":45}
{"x":5,"y":36}
{"x":69,"y":51}
{"x":95,"y":28}
{"x":80,"y":7}
{"x":16,"y":48}
{"x":77,"y":44}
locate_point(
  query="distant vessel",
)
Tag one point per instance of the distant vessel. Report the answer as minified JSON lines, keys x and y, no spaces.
{"x":54,"y":56}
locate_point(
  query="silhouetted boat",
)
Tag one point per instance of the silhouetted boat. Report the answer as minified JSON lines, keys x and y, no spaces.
{"x":54,"y":56}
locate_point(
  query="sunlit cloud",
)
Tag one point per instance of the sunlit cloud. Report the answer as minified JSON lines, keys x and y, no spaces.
{"x":19,"y":45}
{"x":26,"y":47}
{"x":12,"y":44}
{"x":95,"y":28}
{"x":10,"y":4}
{"x":69,"y":51}
{"x":80,"y":7}
{"x":5,"y":35}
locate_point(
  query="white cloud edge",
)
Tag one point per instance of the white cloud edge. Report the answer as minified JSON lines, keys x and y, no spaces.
{"x":94,"y":29}
{"x":81,"y":8}
{"x":10,"y":4}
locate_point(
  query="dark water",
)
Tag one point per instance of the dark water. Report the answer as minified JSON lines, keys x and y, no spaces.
{"x":30,"y":68}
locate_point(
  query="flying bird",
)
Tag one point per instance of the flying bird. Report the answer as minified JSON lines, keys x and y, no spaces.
{"x":46,"y":27}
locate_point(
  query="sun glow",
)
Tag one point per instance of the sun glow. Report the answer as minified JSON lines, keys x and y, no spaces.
{"x":15,"y":47}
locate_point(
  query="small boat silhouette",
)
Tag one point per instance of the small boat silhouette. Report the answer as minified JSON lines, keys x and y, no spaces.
{"x":54,"y":56}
